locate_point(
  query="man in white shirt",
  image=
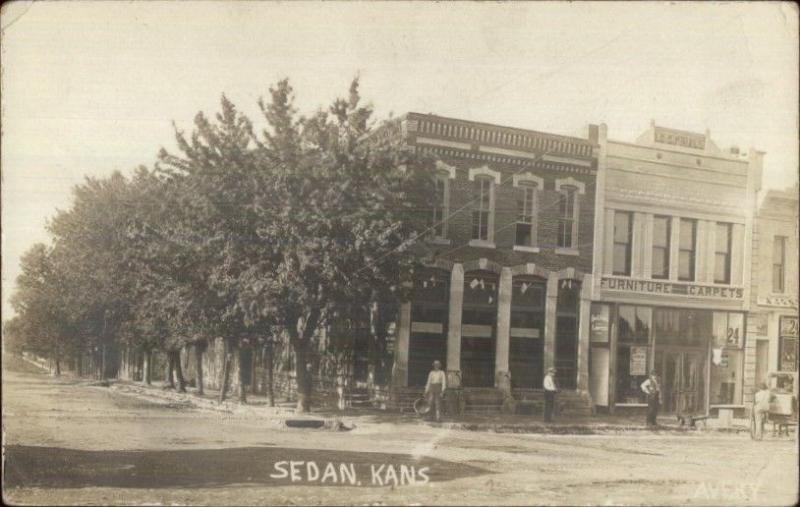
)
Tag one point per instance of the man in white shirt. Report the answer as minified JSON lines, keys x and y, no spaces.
{"x":761,"y":409}
{"x":550,"y":390}
{"x":653,"y":391}
{"x":434,"y":388}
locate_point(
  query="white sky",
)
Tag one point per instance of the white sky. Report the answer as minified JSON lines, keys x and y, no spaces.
{"x":91,"y":87}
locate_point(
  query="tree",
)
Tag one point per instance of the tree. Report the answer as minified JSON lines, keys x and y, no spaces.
{"x":336,"y":217}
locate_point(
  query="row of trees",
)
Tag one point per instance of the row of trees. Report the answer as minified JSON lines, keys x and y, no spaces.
{"x":250,"y":236}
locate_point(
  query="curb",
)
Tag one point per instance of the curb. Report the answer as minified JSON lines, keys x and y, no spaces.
{"x":290,"y":420}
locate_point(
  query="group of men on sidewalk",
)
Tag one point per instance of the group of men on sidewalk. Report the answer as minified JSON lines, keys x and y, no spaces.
{"x":437,"y":384}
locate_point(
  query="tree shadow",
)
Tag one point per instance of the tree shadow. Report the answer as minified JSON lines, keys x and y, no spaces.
{"x":54,"y":467}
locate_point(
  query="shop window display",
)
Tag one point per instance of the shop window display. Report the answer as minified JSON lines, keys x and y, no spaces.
{"x":727,"y":358}
{"x":633,"y":352}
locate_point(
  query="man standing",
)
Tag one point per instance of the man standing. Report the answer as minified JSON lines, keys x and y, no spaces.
{"x":437,"y":383}
{"x":761,"y":410}
{"x":653,"y":392}
{"x":550,"y":390}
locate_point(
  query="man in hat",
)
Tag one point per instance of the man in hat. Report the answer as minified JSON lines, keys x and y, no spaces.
{"x":437,"y":383}
{"x":652,"y":390}
{"x":550,"y":390}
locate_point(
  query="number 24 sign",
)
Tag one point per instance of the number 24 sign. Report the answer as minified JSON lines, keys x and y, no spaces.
{"x":789,"y":326}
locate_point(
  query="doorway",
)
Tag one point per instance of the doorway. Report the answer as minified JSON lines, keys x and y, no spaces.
{"x":683,"y":380}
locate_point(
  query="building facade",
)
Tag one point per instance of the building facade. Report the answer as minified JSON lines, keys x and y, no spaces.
{"x":507,"y":292}
{"x":772,"y":327}
{"x":671,"y":291}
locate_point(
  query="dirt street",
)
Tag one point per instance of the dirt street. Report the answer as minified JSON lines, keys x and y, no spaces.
{"x":68,"y":443}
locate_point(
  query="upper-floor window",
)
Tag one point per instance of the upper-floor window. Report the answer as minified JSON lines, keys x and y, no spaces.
{"x":623,"y":234}
{"x":686,"y":249}
{"x":482,"y":210}
{"x":778,"y":263}
{"x":568,"y":216}
{"x":661,"y":237}
{"x":526,"y":214}
{"x":439,"y":215}
{"x":722,"y":254}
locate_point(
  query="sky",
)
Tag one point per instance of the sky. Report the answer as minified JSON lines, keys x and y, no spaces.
{"x":93,"y":87}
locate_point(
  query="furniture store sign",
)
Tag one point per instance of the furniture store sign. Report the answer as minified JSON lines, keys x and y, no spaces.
{"x":671,"y":288}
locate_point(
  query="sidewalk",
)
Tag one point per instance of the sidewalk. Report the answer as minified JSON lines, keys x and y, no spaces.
{"x":284,"y":414}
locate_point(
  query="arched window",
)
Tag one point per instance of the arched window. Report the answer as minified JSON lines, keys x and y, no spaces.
{"x":526,"y":357}
{"x":478,"y":328}
{"x":429,"y":318}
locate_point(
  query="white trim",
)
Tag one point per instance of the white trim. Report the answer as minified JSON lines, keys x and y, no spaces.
{"x":450,"y":170}
{"x":567,"y":251}
{"x":571,"y":181}
{"x":566,"y":160}
{"x":529,"y":177}
{"x":447,"y":144}
{"x":481,"y":243}
{"x":484,"y":171}
{"x":531,"y":249}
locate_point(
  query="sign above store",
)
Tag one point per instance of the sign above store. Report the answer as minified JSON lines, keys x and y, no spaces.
{"x":782,"y":301}
{"x":666,"y":287}
{"x":676,"y":138}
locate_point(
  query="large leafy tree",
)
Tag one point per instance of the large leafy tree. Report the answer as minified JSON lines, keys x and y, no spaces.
{"x":244,"y":235}
{"x":308,"y":218}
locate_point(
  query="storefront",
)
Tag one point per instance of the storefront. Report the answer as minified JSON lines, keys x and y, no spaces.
{"x":697,"y":354}
{"x":671,"y":285}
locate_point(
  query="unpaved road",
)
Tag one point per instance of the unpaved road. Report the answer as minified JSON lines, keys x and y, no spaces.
{"x":69,"y":443}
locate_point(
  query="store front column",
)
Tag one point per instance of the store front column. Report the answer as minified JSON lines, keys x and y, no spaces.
{"x":550,"y":321}
{"x":400,"y":370}
{"x":584,"y":324}
{"x":502,"y":346}
{"x":454,"y":327}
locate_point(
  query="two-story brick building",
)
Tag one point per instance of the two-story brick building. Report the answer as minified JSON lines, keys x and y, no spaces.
{"x":672,"y":270}
{"x":772,"y":324}
{"x":507,"y":293}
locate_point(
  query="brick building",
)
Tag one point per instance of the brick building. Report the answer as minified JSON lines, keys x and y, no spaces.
{"x":772,"y":326}
{"x":672,"y":270}
{"x":506,"y":294}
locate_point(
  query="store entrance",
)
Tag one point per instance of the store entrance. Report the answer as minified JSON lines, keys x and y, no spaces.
{"x":683,"y":378}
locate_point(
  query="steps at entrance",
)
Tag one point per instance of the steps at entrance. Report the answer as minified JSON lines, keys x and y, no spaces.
{"x":402,"y":398}
{"x":570,"y":403}
{"x":489,"y":401}
{"x":359,"y":397}
{"x":478,"y":400}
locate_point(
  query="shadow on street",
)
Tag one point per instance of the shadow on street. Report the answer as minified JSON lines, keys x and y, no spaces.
{"x":53,"y":467}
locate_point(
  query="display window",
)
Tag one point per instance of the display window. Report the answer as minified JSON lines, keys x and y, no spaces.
{"x":727,"y":358}
{"x":787,"y":360}
{"x":633,"y":352}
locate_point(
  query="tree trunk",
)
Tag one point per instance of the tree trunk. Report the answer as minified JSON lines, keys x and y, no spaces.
{"x":226,"y":371}
{"x":103,"y":364}
{"x":148,"y":367}
{"x":269,"y":373}
{"x":303,"y":381}
{"x":170,"y":369}
{"x":198,"y":354}
{"x":245,"y":370}
{"x":58,"y":358}
{"x":176,"y":354}
{"x":79,"y":364}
